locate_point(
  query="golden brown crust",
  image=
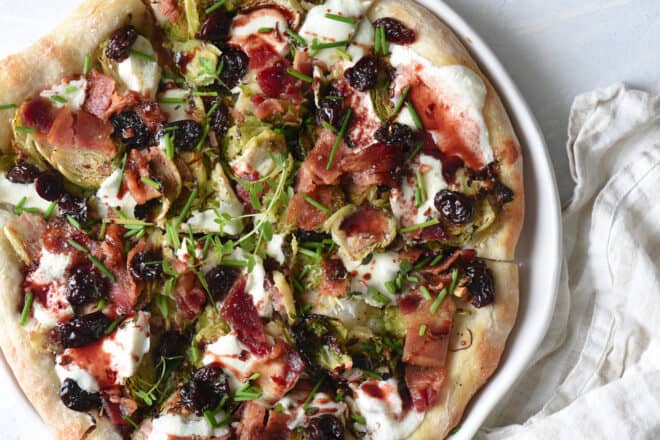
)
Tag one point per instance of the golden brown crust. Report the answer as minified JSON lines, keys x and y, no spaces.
{"x":438,"y":43}
{"x":22,"y":75}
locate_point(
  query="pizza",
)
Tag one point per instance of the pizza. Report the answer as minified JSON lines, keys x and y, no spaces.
{"x":255,"y":220}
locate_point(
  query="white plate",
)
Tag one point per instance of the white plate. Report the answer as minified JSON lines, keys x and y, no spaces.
{"x":539,"y":253}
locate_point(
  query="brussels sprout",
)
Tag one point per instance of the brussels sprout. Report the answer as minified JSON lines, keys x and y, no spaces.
{"x":394,"y":322}
{"x":484,"y":217}
{"x":203,"y":61}
{"x":210,"y":325}
{"x":323,"y":342}
{"x":250,"y":136}
{"x":288,"y":302}
{"x":26,"y":142}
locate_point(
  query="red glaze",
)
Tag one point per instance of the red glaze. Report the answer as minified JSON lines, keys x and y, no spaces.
{"x":39,"y":113}
{"x":373,"y":390}
{"x":241,"y":314}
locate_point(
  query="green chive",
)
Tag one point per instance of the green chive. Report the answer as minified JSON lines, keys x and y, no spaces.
{"x":205,"y":93}
{"x":74,"y":244}
{"x":143,"y":55}
{"x":210,"y":418}
{"x":194,"y":353}
{"x":422,"y":330}
{"x":376,"y":41}
{"x":309,"y":253}
{"x":130,"y":421}
{"x":334,"y":98}
{"x":411,"y":279}
{"x":217,"y":5}
{"x":315,"y":204}
{"x":328,"y":126}
{"x":234,"y":263}
{"x":49,"y":212}
{"x":172,"y":100}
{"x":454,"y":279}
{"x":100,"y":266}
{"x":151,"y":182}
{"x":399,"y":103}
{"x":349,"y":20}
{"x":358,"y":418}
{"x":169,"y":146}
{"x":340,"y":136}
{"x":186,"y":207}
{"x":101,"y":304}
{"x":26,"y":308}
{"x":417,"y":149}
{"x":436,"y":260}
{"x":300,"y":76}
{"x":74,"y":222}
{"x":28,"y":130}
{"x":311,"y":394}
{"x":422,"y":263}
{"x":342,"y":53}
{"x":412,"y":228}
{"x":391,"y":287}
{"x":18,"y":209}
{"x":296,"y":37}
{"x":121,"y":172}
{"x":320,"y":46}
{"x":438,"y":300}
{"x":415,"y":116}
{"x":265,"y":30}
{"x":113,"y":325}
{"x":372,"y":374}
{"x":87,"y":64}
{"x":425,"y":293}
{"x":7,"y":106}
{"x":58,"y":98}
{"x":383,"y":41}
{"x":420,"y":184}
{"x":419,"y":198}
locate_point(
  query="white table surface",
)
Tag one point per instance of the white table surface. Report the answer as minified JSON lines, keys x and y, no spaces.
{"x":552,"y":49}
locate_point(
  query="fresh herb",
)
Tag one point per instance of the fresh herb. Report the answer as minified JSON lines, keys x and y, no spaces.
{"x":420,"y":192}
{"x":317,"y":46}
{"x":247,"y":392}
{"x":27,"y":130}
{"x":358,"y":418}
{"x":100,"y":266}
{"x":296,"y":37}
{"x":172,"y":100}
{"x":341,"y":18}
{"x":169,"y":146}
{"x":74,"y":244}
{"x":121,"y":172}
{"x":26,"y":307}
{"x":113,"y":325}
{"x":101,"y":304}
{"x":151,"y":182}
{"x":425,"y":293}
{"x":143,"y":55}
{"x":49,"y":212}
{"x":454,"y":280}
{"x":415,"y":116}
{"x":412,"y":228}
{"x":300,"y":76}
{"x":265,"y":30}
{"x":438,"y":301}
{"x":202,"y":94}
{"x":7,"y":106}
{"x":234,"y":263}
{"x":18,"y":209}
{"x":59,"y":99}
{"x":340,"y":136}
{"x":342,"y":53}
{"x":87,"y":64}
{"x":372,"y":374}
{"x":422,"y":330}
{"x":391,"y":287}
{"x":186,"y":207}
{"x":399,"y":103}
{"x":436,"y":259}
{"x":217,"y":5}
{"x":309,"y":253}
{"x":74,"y":222}
{"x":130,"y":421}
{"x":311,"y":394}
{"x":316,"y":204}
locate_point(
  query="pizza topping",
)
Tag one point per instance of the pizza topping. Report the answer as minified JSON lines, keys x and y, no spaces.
{"x":147,"y":265}
{"x":234,"y":66}
{"x":168,"y":426}
{"x":22,"y":172}
{"x":49,"y":185}
{"x":83,"y":330}
{"x":130,"y":129}
{"x":220,"y":280}
{"x":140,"y":71}
{"x":120,"y":43}
{"x":220,"y":120}
{"x":100,"y":94}
{"x":127,"y":345}
{"x":393,"y":133}
{"x":395,"y":31}
{"x":215,"y":28}
{"x":247,"y":26}
{"x":331,"y":110}
{"x":425,"y":385}
{"x":71,"y":94}
{"x":241,"y":314}
{"x":85,"y":285}
{"x":454,"y":206}
{"x":327,"y":427}
{"x":172,"y":344}
{"x":482,"y":283}
{"x":204,"y":390}
{"x":76,"y":398}
{"x":363,"y":75}
{"x":73,"y":206}
{"x":187,"y":134}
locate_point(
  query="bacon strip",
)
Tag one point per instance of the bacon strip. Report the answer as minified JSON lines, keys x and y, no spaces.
{"x":241,"y":314}
{"x":425,"y":385}
{"x":303,"y":214}
{"x":378,"y":164}
{"x":334,"y":280}
{"x":124,"y":293}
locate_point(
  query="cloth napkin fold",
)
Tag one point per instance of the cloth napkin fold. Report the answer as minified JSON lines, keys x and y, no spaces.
{"x":597,"y":373}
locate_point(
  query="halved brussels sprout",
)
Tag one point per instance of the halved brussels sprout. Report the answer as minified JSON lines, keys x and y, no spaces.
{"x":323,"y":341}
{"x":201,"y":68}
{"x":252,"y":134}
{"x":25,"y":234}
{"x":26,"y":142}
{"x":288,"y":302}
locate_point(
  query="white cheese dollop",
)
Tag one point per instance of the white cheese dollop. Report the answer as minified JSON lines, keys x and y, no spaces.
{"x":254,"y":286}
{"x":457,"y":86}
{"x":246,"y":25}
{"x":71,"y":94}
{"x":183,"y":254}
{"x":237,"y":361}
{"x":72,"y":371}
{"x":385,"y":419}
{"x":178,"y":426}
{"x":274,"y":248}
{"x":382,"y":268}
{"x":52,"y":272}
{"x":138,"y":73}
{"x":12,"y":194}
{"x":292,"y":405}
{"x":108,"y":197}
{"x":52,"y":267}
{"x":176,"y":111}
{"x":128,"y":345}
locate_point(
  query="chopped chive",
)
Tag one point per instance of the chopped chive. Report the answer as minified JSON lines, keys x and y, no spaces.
{"x":234,"y":263}
{"x":194,"y":353}
{"x":309,"y":253}
{"x":210,"y":418}
{"x":49,"y":211}
{"x":316,"y":46}
{"x":7,"y":106}
{"x":205,"y":93}
{"x":412,"y":228}
{"x":100,"y":266}
{"x":334,"y":98}
{"x":143,"y":55}
{"x":379,"y":297}
{"x":130,"y":421}
{"x":422,"y":263}
{"x":422,"y":330}
{"x":87,"y":64}
{"x":221,"y":65}
{"x":311,"y":394}
{"x":376,"y":41}
{"x":151,"y":182}
{"x":186,"y":207}
{"x":26,"y":307}
{"x":300,"y":76}
{"x":340,"y":135}
{"x":358,"y":418}
{"x":454,"y":279}
{"x":383,"y":41}
{"x":342,"y":53}
{"x":217,"y":5}
{"x":121,"y":172}
{"x":328,"y":126}
{"x":315,"y":204}
{"x":213,"y":108}
{"x":399,"y":103}
{"x":74,"y":244}
{"x":172,"y":100}
{"x":18,"y":209}
{"x":58,"y":98}
{"x":205,"y":133}
{"x":420,"y":185}
{"x":425,"y":293}
{"x":74,"y":222}
{"x":113,"y":325}
{"x":419,"y":198}
{"x":417,"y":149}
{"x":412,"y":279}
{"x":296,"y":37}
{"x":101,"y":304}
{"x":415,"y":116}
{"x":28,"y":130}
{"x":265,"y":30}
{"x":391,"y":287}
{"x":169,"y":146}
{"x":438,"y":300}
{"x":372,"y":374}
{"x":436,"y":260}
{"x":349,"y":20}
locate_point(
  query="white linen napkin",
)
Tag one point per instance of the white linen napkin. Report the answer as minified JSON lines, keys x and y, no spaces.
{"x":597,"y":373}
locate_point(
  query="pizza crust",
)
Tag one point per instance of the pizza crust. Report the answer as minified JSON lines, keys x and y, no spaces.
{"x":59,"y":54}
{"x":438,"y":43}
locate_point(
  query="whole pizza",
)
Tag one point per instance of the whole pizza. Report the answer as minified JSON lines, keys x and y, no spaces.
{"x":259,"y":219}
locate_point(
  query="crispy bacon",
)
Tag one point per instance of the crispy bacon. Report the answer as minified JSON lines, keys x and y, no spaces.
{"x":306,"y":216}
{"x":241,"y":314}
{"x":100,"y":89}
{"x":137,"y":166}
{"x":280,"y":373}
{"x":313,"y":171}
{"x":93,"y":133}
{"x":169,"y":9}
{"x":261,"y":54}
{"x":121,"y":102}
{"x":252,"y":421}
{"x":425,"y":385}
{"x":365,"y":228}
{"x":276,"y":428}
{"x":334,"y":280}
{"x":151,"y":113}
{"x":124,"y":293}
{"x":378,"y":164}
{"x":61,"y":131}
{"x":189,"y":295}
{"x":429,"y":349}
{"x":267,"y":107}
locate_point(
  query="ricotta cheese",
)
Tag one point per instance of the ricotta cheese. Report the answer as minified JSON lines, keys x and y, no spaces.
{"x":51,"y":272}
{"x":385,"y":417}
{"x":70,"y":94}
{"x":382,"y":268}
{"x":108,"y":196}
{"x":72,"y":371}
{"x":176,"y":111}
{"x":274,"y":248}
{"x":128,"y":345}
{"x":235,"y":358}
{"x":245,"y":25}
{"x":52,"y":267}
{"x":175,"y":425}
{"x":138,"y":73}
{"x":254,"y":286}
{"x":12,"y":194}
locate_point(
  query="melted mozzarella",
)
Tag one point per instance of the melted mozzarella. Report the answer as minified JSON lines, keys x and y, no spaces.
{"x":12,"y":193}
{"x":184,"y":255}
{"x":255,"y":287}
{"x":293,"y":406}
{"x":52,"y":267}
{"x":362,"y":43}
{"x":176,"y":111}
{"x":457,"y":86}
{"x":402,"y":199}
{"x":73,"y":92}
{"x":385,"y":418}
{"x":223,"y":204}
{"x":234,"y":357}
{"x":382,"y":268}
{"x":72,"y":371}
{"x":52,"y":272}
{"x":108,"y":196}
{"x":176,"y":425}
{"x":325,"y":30}
{"x":245,"y":25}
{"x":128,"y":345}
{"x":139,"y":74}
{"x":274,"y":248}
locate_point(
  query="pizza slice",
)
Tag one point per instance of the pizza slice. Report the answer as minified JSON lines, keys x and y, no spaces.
{"x":254,"y":219}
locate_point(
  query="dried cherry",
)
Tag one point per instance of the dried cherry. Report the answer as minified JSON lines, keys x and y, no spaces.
{"x":215,"y":28}
{"x":454,"y":206}
{"x":130,"y":129}
{"x":482,"y":283}
{"x":83,"y":330}
{"x":74,"y":206}
{"x":147,"y":265}
{"x":187,"y":134}
{"x":49,"y":185}
{"x":234,"y":66}
{"x":204,"y":390}
{"x":220,"y":280}
{"x":77,"y":399}
{"x":23,"y":172}
{"x":395,"y":31}
{"x":85,"y":285}
{"x":326,"y":427}
{"x":393,"y":133}
{"x":364,"y":74}
{"x":120,"y":42}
